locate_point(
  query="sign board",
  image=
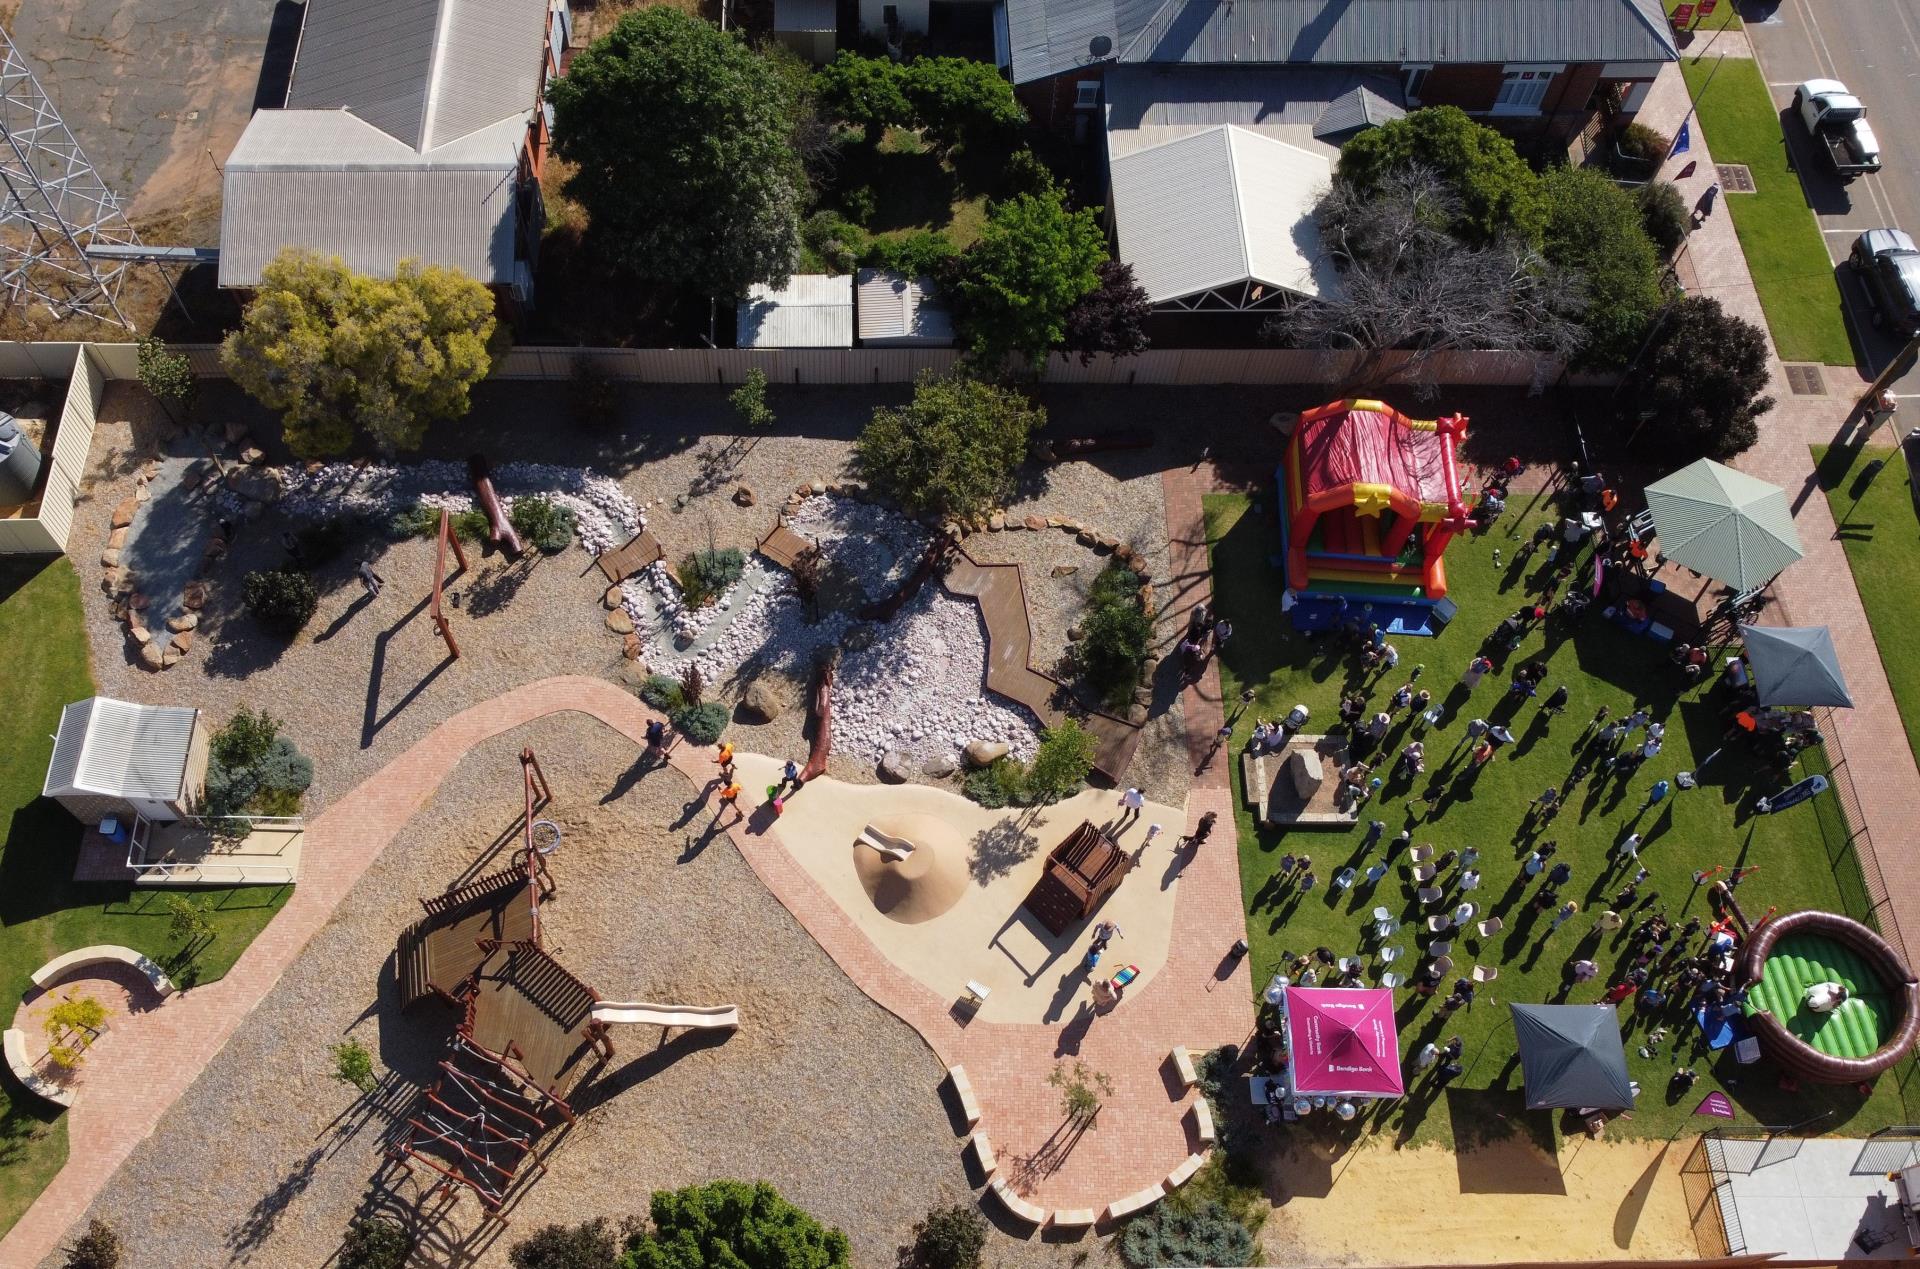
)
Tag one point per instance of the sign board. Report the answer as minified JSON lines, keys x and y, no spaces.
{"x":1719,"y":1105}
{"x":1706,"y":7}
{"x":1682,"y":14}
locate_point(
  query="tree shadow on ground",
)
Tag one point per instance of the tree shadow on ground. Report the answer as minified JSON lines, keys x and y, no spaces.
{"x":999,"y":848}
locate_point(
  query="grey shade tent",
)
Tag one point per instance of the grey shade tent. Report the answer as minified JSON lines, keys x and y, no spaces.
{"x":1724,"y":523}
{"x":1795,"y":665}
{"x":1571,"y":1056}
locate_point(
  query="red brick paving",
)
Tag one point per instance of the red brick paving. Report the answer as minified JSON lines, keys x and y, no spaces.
{"x":1140,"y":1136}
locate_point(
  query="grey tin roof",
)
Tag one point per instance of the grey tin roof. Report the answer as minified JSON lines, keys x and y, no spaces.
{"x":1049,"y":37}
{"x":895,"y":310}
{"x":425,"y":72}
{"x":1350,"y":112}
{"x":814,"y":310}
{"x":121,"y":750}
{"x":1146,"y":105}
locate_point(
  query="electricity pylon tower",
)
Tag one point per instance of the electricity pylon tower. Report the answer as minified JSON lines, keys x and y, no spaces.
{"x":53,"y":207}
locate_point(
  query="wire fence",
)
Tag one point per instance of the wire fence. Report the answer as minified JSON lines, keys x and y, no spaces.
{"x":1709,"y":1196}
{"x":1843,"y":826}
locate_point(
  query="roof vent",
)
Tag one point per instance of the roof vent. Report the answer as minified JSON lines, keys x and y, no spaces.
{"x":1100,"y":46}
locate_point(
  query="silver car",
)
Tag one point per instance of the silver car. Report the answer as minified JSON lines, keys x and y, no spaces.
{"x":1888,"y":263}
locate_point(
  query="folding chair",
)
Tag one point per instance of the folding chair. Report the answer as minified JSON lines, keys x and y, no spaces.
{"x":1390,"y":981}
{"x":1491,"y":926}
{"x":1424,"y":873}
{"x":1420,"y":854}
{"x":1443,"y":965}
{"x":1439,"y":948}
{"x":1485,"y":973}
{"x":1429,"y":894}
{"x":1439,"y":922}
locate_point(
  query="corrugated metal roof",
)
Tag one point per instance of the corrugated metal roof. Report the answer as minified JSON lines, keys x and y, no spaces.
{"x":425,"y":72}
{"x":1220,"y":207}
{"x":1361,"y":108}
{"x":121,"y":750}
{"x":1147,"y":105}
{"x":350,"y":191}
{"x":1052,"y":36}
{"x":814,"y":310}
{"x":895,"y":310}
{"x":805,"y":15}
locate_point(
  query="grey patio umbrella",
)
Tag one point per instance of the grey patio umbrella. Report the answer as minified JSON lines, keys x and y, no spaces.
{"x":1571,"y":1055}
{"x":1724,"y":523}
{"x":1795,"y":665}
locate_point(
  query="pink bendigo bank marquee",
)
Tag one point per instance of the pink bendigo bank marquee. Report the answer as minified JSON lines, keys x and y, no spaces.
{"x":1343,"y":1042}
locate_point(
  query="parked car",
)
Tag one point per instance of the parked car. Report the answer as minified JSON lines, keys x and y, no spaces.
{"x":1835,"y":118}
{"x":1888,"y":263}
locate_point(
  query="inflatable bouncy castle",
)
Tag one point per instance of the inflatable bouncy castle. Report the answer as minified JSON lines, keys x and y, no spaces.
{"x":1369,"y":500}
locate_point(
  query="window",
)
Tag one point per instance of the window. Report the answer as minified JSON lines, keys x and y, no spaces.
{"x":1086,"y":94}
{"x":1523,"y":88}
{"x":1413,"y":78}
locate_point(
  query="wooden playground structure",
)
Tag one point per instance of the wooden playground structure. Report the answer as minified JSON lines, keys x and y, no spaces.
{"x":529,"y":1031}
{"x":1081,"y":872}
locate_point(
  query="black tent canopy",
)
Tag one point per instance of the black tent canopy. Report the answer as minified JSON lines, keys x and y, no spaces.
{"x":1571,"y":1056}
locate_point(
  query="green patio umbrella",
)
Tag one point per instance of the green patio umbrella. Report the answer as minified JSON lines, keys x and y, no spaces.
{"x":1724,"y":523}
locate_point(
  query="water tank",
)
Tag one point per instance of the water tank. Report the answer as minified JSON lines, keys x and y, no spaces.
{"x":19,"y":463}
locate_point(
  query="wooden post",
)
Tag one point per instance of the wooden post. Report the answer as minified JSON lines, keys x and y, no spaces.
{"x":446,"y":538}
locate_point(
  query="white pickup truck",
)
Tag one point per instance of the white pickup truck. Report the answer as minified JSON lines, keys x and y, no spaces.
{"x":1835,"y":118}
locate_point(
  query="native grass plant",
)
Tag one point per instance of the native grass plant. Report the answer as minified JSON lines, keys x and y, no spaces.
{"x":704,"y":576}
{"x":252,"y":770}
{"x":352,"y":1064}
{"x":1060,"y":763}
{"x":949,"y":1237}
{"x":282,"y":600}
{"x":1081,"y":1090}
{"x":543,"y":523}
{"x":1001,"y":783}
{"x":79,"y":1015}
{"x":701,"y":724}
{"x":373,"y":1242}
{"x":1176,"y":1233}
{"x":1115,"y":633}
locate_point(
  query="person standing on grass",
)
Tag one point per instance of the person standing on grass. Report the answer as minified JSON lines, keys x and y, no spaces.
{"x":1658,"y":793}
{"x":1557,"y":701}
{"x":1564,"y":915}
{"x":1476,"y":670}
{"x":1584,"y":971}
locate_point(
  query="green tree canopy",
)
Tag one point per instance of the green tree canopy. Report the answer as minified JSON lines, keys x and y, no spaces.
{"x":952,"y":450}
{"x":1033,"y":262}
{"x":1498,"y":192}
{"x":733,"y":1225}
{"x":868,"y":92}
{"x":1700,"y":385}
{"x":685,"y":139}
{"x":962,"y":103}
{"x":339,"y":352}
{"x":1595,"y":228}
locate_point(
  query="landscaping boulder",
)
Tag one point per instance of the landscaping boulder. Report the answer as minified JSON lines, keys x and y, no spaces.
{"x":982,"y":753}
{"x":235,"y":431}
{"x":767,"y":697}
{"x":619,"y":622}
{"x":183,"y":622}
{"x":153,"y":656}
{"x":743,"y":496}
{"x":123,"y":514}
{"x":630,"y":648}
{"x":182,"y":640}
{"x":1035,"y":523}
{"x":896,"y":767}
{"x":110,"y":557}
{"x":1065,"y":570}
{"x":1303,"y":766}
{"x":612,"y":598}
{"x":940,"y":766}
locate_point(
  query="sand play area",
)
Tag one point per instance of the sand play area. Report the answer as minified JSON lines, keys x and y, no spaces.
{"x":1507,"y":1201}
{"x":950,"y":912}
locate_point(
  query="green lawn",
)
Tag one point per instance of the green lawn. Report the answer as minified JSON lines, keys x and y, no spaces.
{"x":1874,"y":512}
{"x":1702,"y":828}
{"x":43,"y":912}
{"x":1777,"y":229}
{"x":1725,"y":17}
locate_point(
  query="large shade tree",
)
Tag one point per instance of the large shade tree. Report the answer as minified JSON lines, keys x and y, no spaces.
{"x":1495,"y":192}
{"x":1595,"y":230}
{"x":1033,"y":262}
{"x":341,"y":353}
{"x":1700,"y":388}
{"x":689,"y":145}
{"x":952,"y":450}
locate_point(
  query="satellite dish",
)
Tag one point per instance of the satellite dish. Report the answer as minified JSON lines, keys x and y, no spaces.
{"x":1101,"y":46}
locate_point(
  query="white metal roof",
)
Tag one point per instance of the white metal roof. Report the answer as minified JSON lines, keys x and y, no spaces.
{"x":1219,"y":207}
{"x":813,"y":310}
{"x":896,"y":310}
{"x":330,"y":182}
{"x":121,"y":750}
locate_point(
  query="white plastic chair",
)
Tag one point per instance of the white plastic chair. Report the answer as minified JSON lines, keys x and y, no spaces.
{"x":1439,"y":922}
{"x":1443,"y":965}
{"x":1420,"y":854}
{"x":1349,"y":963}
{"x":1388,"y":955}
{"x":1387,"y":929}
{"x":1491,"y":926}
{"x":1424,"y":873}
{"x":1485,"y":973}
{"x":1391,"y":980}
{"x":1439,"y":948}
{"x":1342,"y":879}
{"x":1429,"y":894}
{"x":1381,"y":914}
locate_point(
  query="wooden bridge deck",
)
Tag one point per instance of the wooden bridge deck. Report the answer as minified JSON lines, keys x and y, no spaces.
{"x":624,"y":561}
{"x":783,"y":546}
{"x":1002,"y":597}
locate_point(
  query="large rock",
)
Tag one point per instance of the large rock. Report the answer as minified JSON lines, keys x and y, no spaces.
{"x":183,"y":622}
{"x":194,"y":596}
{"x":1303,"y":767}
{"x":743,"y":496}
{"x":254,"y":485}
{"x":767,"y":697}
{"x":619,"y":622}
{"x":1035,"y":523}
{"x":939,"y":766}
{"x":1065,"y":570}
{"x":631,"y":647}
{"x":896,"y":768}
{"x":613,"y":598}
{"x":633,"y":672}
{"x":116,"y":539}
{"x":153,"y":656}
{"x":123,"y":514}
{"x":982,"y":753}
{"x":110,"y":557}
{"x":183,"y":640}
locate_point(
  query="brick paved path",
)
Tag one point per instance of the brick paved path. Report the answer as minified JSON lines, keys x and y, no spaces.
{"x":1140,"y":1136}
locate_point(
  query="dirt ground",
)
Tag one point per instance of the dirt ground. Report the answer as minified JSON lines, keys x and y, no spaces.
{"x":821,"y":1092}
{"x":1507,"y":1201}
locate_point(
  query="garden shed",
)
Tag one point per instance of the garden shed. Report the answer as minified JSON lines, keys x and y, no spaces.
{"x":813,"y":310}
{"x":896,"y":311}
{"x":116,"y":758}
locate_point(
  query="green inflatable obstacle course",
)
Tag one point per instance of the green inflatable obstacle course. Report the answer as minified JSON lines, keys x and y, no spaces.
{"x":1858,"y":1028}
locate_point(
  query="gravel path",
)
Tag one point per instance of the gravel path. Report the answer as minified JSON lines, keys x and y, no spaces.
{"x":821,"y":1092}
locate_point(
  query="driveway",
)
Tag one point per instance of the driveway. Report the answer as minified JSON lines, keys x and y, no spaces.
{"x":157,"y":92}
{"x":1873,"y":46}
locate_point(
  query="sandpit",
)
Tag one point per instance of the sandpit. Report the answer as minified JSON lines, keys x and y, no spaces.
{"x":924,"y":885}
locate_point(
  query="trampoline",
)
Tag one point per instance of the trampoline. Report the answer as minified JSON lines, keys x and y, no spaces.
{"x":1874,"y":1028}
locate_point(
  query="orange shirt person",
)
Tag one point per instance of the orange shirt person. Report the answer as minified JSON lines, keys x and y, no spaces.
{"x":723,"y":753}
{"x":730,"y":797}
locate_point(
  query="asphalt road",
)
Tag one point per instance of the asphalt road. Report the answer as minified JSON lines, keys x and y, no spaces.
{"x":1872,"y":46}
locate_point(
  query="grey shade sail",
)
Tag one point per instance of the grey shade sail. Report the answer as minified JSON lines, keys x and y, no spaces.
{"x":1724,"y":523}
{"x":1571,"y":1056}
{"x":1795,"y":665}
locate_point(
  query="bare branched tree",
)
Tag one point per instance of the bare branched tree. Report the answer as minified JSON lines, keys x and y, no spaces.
{"x":1408,"y":286}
